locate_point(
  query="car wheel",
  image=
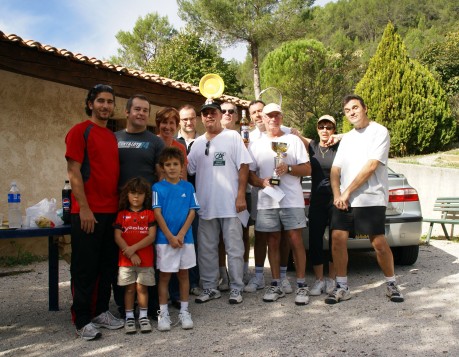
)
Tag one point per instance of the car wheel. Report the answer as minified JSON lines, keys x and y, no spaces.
{"x":405,"y":255}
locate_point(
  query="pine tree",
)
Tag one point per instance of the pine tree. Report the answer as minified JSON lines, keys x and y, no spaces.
{"x":404,"y":96}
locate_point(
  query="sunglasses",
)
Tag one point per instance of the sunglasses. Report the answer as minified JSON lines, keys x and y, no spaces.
{"x":230,"y":111}
{"x":207,"y":148}
{"x":322,"y":127}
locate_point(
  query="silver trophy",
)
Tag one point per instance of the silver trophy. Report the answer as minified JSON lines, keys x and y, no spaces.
{"x":280,"y":149}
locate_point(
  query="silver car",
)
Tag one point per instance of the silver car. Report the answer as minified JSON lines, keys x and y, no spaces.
{"x":403,"y":221}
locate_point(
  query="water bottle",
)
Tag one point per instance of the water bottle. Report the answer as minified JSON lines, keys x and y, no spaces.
{"x":245,"y":127}
{"x":14,"y":206}
{"x":66,"y":202}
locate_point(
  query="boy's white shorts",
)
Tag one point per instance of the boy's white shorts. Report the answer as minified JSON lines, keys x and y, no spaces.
{"x":171,"y":260}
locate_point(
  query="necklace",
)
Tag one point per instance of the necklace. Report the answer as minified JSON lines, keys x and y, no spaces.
{"x":323,"y":152}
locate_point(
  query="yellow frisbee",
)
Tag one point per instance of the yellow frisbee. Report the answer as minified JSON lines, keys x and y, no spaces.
{"x":211,"y":86}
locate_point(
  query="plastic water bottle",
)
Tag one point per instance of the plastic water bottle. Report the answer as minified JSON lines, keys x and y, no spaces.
{"x":14,"y":206}
{"x":66,"y":202}
{"x":245,"y":127}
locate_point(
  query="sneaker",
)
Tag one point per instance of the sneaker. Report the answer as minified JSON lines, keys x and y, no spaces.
{"x":185,"y":318}
{"x":338,"y":294}
{"x":107,"y":320}
{"x":393,"y":292}
{"x":208,"y":294}
{"x":318,"y":288}
{"x":286,"y":287}
{"x":254,"y":284}
{"x":145,"y":325}
{"x":164,"y":321}
{"x":89,"y":332}
{"x":246,"y":277}
{"x":129,"y":326}
{"x":302,"y":296}
{"x":235,"y":296}
{"x":329,"y":285}
{"x":196,"y":291}
{"x":224,"y":286}
{"x":273,"y":293}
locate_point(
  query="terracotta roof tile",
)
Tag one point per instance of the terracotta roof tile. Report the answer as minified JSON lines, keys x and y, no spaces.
{"x":112,"y":67}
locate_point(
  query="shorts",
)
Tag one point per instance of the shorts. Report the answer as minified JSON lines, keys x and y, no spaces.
{"x":360,"y":220}
{"x":277,"y":219}
{"x":141,"y":275}
{"x":171,"y":260}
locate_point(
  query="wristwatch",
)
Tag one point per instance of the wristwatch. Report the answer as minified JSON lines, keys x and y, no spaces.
{"x":289,"y":169}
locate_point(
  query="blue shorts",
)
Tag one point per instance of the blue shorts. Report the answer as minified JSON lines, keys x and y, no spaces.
{"x":360,"y":220}
{"x":277,"y":219}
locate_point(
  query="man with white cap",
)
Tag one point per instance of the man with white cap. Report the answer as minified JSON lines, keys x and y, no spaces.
{"x":276,"y":212}
{"x":219,"y":159}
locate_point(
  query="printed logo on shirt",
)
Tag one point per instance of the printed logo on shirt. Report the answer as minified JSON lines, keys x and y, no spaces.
{"x":133,"y":145}
{"x":183,"y":195}
{"x":219,"y":159}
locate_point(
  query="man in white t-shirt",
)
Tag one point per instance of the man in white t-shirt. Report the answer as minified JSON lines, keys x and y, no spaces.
{"x":286,"y":212}
{"x":359,"y":182}
{"x":219,"y":159}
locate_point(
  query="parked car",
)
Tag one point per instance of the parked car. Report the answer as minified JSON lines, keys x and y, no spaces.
{"x":403,"y":221}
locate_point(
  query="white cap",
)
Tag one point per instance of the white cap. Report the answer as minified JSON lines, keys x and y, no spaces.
{"x":272,"y":107}
{"x":327,"y":117}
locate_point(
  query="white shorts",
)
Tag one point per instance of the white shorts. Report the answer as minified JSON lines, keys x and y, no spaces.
{"x":171,"y":260}
{"x":142,"y":275}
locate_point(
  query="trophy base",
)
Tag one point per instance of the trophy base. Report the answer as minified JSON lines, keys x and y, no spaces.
{"x":274,"y":181}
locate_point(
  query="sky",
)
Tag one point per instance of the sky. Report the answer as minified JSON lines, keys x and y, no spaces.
{"x":87,"y":26}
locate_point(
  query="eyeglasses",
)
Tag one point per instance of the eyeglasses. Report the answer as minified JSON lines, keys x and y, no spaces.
{"x":207,"y":148}
{"x":230,"y":111}
{"x":322,"y":127}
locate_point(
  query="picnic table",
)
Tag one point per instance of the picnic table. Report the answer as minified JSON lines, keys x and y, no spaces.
{"x":449,"y":208}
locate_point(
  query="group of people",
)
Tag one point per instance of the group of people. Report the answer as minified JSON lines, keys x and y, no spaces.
{"x":158,"y":217}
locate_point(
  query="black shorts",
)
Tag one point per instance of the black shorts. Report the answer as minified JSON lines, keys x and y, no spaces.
{"x":360,"y":220}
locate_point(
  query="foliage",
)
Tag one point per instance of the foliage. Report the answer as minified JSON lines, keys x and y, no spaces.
{"x":403,"y":95}
{"x":187,"y":58}
{"x":253,"y":22}
{"x":141,"y":45}
{"x":311,"y":79}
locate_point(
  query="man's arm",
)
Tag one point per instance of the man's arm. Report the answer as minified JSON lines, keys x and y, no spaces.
{"x":241,"y":204}
{"x":76,"y":180}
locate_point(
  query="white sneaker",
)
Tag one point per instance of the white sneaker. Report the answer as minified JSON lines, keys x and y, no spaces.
{"x":207,"y":295}
{"x":164,"y":321}
{"x":338,"y":294}
{"x":318,"y":288}
{"x":185,"y":318}
{"x":107,"y":320}
{"x":89,"y":332}
{"x":302,"y":296}
{"x":329,"y":285}
{"x":235,"y":296}
{"x":254,"y":284}
{"x":273,"y":293}
{"x":286,"y":287}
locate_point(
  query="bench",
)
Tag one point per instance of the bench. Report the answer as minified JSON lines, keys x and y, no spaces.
{"x":449,"y":208}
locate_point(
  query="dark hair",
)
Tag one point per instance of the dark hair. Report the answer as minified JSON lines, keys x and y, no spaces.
{"x":167,"y":113}
{"x":350,"y":97}
{"x":253,"y":102}
{"x":138,"y":96}
{"x":171,"y":152}
{"x":92,"y":95}
{"x":187,"y":106}
{"x":137,"y":185}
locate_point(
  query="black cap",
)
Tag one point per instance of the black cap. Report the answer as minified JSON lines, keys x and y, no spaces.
{"x":211,"y":104}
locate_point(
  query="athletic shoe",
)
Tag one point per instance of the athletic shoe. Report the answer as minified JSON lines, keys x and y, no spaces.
{"x":339,"y":293}
{"x":302,"y":296}
{"x":254,"y":284}
{"x":393,"y":292}
{"x":246,"y":277}
{"x":185,"y":318}
{"x":235,"y":296}
{"x":286,"y":287}
{"x":318,"y":288}
{"x":224,"y":286}
{"x":129,"y":326}
{"x":164,"y":321}
{"x":196,"y":291}
{"x":273,"y":293}
{"x":89,"y":332}
{"x":208,"y":294}
{"x":107,"y":320}
{"x":145,"y":325}
{"x":329,"y":285}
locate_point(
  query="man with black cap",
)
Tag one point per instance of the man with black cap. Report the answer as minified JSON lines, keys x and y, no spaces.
{"x":219,"y":159}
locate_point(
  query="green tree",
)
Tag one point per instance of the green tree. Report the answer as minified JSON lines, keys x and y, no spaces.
{"x":187,"y":58}
{"x":142,"y":45}
{"x":404,"y":96}
{"x":252,"y":22}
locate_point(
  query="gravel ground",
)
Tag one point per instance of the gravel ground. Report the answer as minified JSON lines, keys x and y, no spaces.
{"x":426,"y":324}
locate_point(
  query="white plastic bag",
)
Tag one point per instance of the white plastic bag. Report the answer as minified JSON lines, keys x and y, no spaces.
{"x":44,"y":214}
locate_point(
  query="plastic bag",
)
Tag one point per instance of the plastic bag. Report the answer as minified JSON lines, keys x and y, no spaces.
{"x":44,"y":214}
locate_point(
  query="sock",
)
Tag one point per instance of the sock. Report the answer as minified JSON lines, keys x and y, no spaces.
{"x":129,"y":314}
{"x":342,"y":281}
{"x":183,"y":306}
{"x":283,"y":272}
{"x":390,"y":279}
{"x":163,"y":309}
{"x":275,"y":282}
{"x":223,"y":274}
{"x":301,"y":283}
{"x":259,"y":272}
{"x":246,"y":267}
{"x":143,"y":313}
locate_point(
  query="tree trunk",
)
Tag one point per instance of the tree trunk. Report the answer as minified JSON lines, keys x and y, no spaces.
{"x":256,"y":69}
